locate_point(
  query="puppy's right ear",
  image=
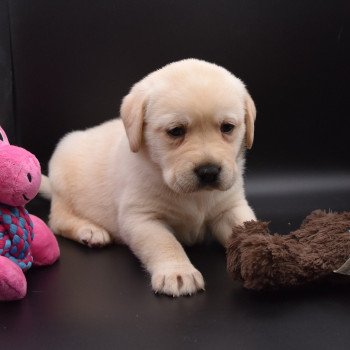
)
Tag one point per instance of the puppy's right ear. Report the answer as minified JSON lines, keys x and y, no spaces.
{"x":132,"y":112}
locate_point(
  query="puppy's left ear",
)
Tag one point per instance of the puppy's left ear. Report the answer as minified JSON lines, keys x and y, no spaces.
{"x":132,"y":112}
{"x":250,"y":116}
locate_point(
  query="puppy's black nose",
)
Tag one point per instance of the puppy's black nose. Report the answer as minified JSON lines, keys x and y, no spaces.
{"x":207,"y":174}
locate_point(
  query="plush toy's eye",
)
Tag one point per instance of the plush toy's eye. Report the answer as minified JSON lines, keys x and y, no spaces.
{"x":1,"y":137}
{"x":178,"y":131}
{"x":226,"y":128}
{"x":29,"y":176}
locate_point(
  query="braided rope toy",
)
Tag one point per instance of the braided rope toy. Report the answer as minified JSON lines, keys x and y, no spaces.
{"x":25,"y":240}
{"x":16,"y":235}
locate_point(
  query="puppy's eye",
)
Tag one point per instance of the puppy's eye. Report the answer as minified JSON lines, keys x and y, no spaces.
{"x":178,"y":131}
{"x":226,"y":128}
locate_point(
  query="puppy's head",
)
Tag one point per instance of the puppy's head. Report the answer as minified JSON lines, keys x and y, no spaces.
{"x":191,"y":117}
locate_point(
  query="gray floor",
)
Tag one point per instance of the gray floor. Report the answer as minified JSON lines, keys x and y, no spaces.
{"x":101,"y":298}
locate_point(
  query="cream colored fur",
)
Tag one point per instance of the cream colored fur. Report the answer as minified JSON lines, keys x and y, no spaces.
{"x":129,"y":181}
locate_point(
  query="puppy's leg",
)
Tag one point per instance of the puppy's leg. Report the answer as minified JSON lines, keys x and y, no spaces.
{"x":237,"y":215}
{"x":163,"y":256}
{"x":65,"y":223}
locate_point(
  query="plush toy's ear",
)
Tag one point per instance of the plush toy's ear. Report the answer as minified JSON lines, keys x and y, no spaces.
{"x":250,"y":116}
{"x":132,"y":112}
{"x":3,"y":137}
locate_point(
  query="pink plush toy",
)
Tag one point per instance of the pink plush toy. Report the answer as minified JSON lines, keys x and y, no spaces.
{"x":20,"y":177}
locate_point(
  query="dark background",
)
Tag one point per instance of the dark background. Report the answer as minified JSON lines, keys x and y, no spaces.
{"x":73,"y":62}
{"x":66,"y":65}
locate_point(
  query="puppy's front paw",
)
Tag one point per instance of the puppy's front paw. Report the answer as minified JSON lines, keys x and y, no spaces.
{"x":177,"y":280}
{"x":94,"y":236}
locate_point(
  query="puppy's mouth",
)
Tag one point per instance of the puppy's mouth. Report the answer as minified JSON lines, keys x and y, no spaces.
{"x":208,"y":187}
{"x":196,"y":187}
{"x":218,"y":185}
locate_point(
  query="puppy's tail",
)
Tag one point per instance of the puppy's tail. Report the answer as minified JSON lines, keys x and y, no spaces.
{"x":45,"y":187}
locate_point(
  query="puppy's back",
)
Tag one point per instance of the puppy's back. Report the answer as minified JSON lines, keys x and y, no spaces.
{"x":82,"y":156}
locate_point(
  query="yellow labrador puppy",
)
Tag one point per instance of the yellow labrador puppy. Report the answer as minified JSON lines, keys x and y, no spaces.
{"x":170,"y":171}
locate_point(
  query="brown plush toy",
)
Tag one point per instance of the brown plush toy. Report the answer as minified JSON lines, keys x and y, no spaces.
{"x":264,"y":260}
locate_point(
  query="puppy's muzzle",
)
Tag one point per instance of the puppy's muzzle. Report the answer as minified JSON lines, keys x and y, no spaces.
{"x":208,"y":174}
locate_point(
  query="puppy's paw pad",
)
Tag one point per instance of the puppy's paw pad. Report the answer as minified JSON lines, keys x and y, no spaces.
{"x":176,"y":281}
{"x":94,"y":236}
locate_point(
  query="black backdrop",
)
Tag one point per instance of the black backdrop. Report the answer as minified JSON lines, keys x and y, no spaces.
{"x":74,"y":60}
{"x":6,"y":77}
{"x":66,"y":64}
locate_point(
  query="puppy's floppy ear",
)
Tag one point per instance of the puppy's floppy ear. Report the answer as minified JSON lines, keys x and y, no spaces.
{"x":250,"y":116}
{"x":132,"y":113}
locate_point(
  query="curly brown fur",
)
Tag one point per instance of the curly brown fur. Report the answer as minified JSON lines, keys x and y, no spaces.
{"x":264,"y":260}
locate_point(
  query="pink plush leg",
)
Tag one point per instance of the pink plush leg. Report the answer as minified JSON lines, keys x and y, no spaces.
{"x":13,"y":284}
{"x":44,"y":247}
